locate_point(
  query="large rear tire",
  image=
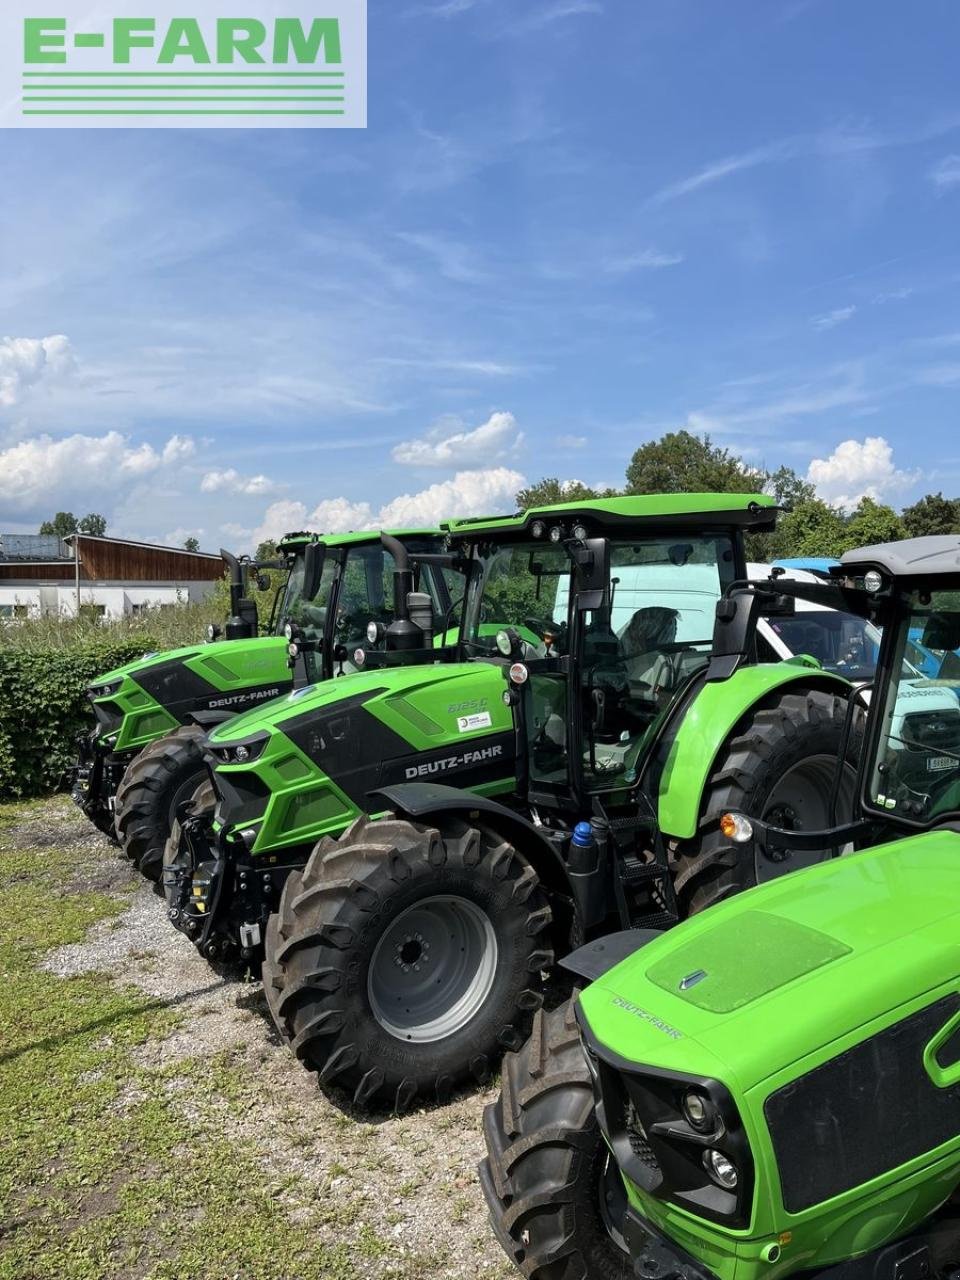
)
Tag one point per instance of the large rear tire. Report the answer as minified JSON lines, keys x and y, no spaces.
{"x":779,"y":766}
{"x":406,"y":958}
{"x":556,"y":1200}
{"x":164,"y":774}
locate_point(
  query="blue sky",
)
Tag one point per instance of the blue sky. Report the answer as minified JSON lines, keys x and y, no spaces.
{"x":570,"y":226}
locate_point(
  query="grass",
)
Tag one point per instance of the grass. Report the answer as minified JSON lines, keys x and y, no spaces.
{"x":100,"y":1172}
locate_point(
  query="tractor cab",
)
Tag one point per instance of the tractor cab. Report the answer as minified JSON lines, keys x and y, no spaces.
{"x":606,"y":618}
{"x":347,"y":590}
{"x":911,"y":774}
{"x":909,"y":769}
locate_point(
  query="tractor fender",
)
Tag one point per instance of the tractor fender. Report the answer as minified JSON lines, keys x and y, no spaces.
{"x":596,"y":958}
{"x":428,"y":799}
{"x":707,"y":723}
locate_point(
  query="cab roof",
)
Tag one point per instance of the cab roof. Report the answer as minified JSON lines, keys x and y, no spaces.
{"x":290,"y":541}
{"x":750,"y":510}
{"x":935,"y":556}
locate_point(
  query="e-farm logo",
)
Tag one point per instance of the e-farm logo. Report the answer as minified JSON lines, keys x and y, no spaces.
{"x":169,"y":64}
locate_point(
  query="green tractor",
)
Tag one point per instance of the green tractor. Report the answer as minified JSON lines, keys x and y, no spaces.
{"x":410,"y":926}
{"x":143,"y":757}
{"x":773,"y":1087}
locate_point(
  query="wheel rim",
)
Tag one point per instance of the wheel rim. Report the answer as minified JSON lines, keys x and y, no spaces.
{"x":432,"y":969}
{"x":800,"y":801}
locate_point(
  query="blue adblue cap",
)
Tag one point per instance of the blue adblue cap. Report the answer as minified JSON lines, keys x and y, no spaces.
{"x":583,"y":835}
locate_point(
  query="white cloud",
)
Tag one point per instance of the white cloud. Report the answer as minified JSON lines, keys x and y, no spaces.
{"x":177,"y":537}
{"x":840,"y":315}
{"x":177,"y":448}
{"x":493,"y":441}
{"x":230,"y":481}
{"x":29,"y":362}
{"x":858,"y":469}
{"x":571,"y":442}
{"x":485,"y":368}
{"x":455,"y":261}
{"x":644,"y":260}
{"x":940,"y":375}
{"x":468,"y":493}
{"x":44,"y":472}
{"x":946,"y":174}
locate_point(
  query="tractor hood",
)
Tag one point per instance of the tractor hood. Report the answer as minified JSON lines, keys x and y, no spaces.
{"x":775,"y":975}
{"x":308,"y":763}
{"x":439,"y":700}
{"x":147,"y":660}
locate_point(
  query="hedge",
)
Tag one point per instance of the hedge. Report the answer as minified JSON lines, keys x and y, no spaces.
{"x":43,"y":707}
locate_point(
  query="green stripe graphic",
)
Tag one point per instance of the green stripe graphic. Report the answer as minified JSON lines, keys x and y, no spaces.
{"x":264,"y":72}
{"x":43,"y":111}
{"x":180,"y":97}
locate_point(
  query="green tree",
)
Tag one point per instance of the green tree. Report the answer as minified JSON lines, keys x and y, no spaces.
{"x":812,"y":528}
{"x":870,"y":523}
{"x":683,"y":463}
{"x":266,"y":550}
{"x":788,"y":488}
{"x":93,"y":524}
{"x":191,"y":544}
{"x":549,"y":491}
{"x":62,"y":524}
{"x":933,"y":513}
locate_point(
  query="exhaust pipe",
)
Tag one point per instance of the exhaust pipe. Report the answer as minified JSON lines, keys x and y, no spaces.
{"x":240,"y":624}
{"x":401,"y":633}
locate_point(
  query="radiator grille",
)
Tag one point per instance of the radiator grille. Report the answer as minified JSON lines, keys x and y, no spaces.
{"x":864,"y":1112}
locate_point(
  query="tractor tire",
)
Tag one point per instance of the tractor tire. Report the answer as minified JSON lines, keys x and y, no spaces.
{"x":163,"y":775}
{"x":175,"y":859}
{"x":555,"y":1198}
{"x":778,"y":765}
{"x":406,"y":958}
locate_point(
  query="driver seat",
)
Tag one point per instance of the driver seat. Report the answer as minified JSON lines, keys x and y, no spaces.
{"x":643,"y":640}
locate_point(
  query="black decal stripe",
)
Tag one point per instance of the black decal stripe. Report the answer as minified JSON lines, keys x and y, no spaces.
{"x":360,"y":753}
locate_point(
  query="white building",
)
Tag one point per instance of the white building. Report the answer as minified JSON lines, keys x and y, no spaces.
{"x":108,"y":577}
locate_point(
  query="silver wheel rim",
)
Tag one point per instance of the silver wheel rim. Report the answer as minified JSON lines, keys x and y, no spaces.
{"x":801,"y":802}
{"x":432,"y":969}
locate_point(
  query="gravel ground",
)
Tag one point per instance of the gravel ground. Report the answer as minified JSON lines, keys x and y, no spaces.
{"x":411,"y":1180}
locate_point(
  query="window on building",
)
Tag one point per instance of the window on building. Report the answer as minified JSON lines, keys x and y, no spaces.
{"x":92,"y":612}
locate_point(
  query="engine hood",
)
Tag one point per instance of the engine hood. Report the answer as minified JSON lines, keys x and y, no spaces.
{"x":783,"y":970}
{"x":434,"y":700}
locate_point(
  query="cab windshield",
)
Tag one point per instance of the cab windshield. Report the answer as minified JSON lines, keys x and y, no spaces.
{"x":653,"y":632}
{"x":841,"y":642}
{"x":916,"y":773}
{"x":308,"y":615}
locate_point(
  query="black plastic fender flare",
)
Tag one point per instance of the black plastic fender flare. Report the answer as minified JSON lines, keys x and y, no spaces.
{"x":425,"y":799}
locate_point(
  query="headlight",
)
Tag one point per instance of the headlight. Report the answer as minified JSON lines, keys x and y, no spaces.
{"x":105,"y":690}
{"x":695,"y":1110}
{"x":242,"y":752}
{"x":721,"y":1169}
{"x":289,"y":630}
{"x":504,"y":643}
{"x":538,"y":528}
{"x":518,"y":673}
{"x":872,"y":581}
{"x":556,"y":533}
{"x":580,"y":532}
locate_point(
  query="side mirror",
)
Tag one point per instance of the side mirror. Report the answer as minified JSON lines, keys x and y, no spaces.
{"x":263,"y":582}
{"x":592,"y":560}
{"x":312,"y":569}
